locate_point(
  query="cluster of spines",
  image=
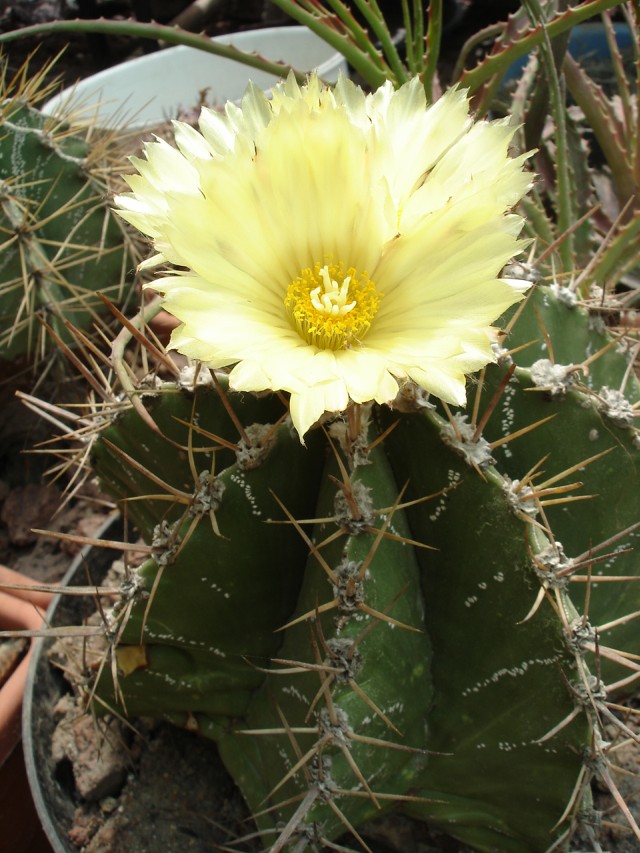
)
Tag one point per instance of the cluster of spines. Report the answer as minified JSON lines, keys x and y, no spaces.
{"x":60,"y":241}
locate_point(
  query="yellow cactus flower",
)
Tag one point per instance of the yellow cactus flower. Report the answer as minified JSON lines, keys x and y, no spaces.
{"x":333,"y":244}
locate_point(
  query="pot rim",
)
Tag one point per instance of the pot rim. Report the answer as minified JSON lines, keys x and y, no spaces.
{"x":38,"y":649}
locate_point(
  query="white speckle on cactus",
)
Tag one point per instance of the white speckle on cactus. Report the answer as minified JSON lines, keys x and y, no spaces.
{"x":240,"y":481}
{"x":564,"y":295}
{"x":214,"y":586}
{"x":194,"y":376}
{"x":594,"y":435}
{"x":471,"y":600}
{"x":520,"y":497}
{"x":396,"y":532}
{"x":510,"y":672}
{"x":554,"y":378}
{"x":460,"y":436}
{"x":452,"y":478}
{"x":293,"y":691}
{"x":616,"y":407}
{"x":508,"y":411}
{"x":609,"y":565}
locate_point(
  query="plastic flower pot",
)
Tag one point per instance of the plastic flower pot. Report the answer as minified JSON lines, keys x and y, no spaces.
{"x":146,"y":91}
{"x":587,"y":44}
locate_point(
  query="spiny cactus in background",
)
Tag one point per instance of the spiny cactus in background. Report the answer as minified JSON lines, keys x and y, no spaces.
{"x":61,"y":244}
{"x":588,"y":165}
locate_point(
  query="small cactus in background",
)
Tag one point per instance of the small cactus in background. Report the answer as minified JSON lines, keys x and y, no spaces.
{"x":428,"y":608}
{"x":61,"y":243}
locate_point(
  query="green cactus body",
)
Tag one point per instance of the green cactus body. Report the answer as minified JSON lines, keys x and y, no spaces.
{"x":496,"y":677}
{"x":405,"y":634}
{"x":227,"y":612}
{"x":591,"y":416}
{"x":188,"y":422}
{"x":356,"y":708}
{"x":60,"y":241}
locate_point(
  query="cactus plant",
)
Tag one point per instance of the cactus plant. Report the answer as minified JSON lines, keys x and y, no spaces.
{"x":391,"y":617}
{"x":61,"y":244}
{"x":457,"y":681}
{"x":422,"y":610}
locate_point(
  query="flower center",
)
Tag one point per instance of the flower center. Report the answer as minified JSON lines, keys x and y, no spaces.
{"x":329,"y":309}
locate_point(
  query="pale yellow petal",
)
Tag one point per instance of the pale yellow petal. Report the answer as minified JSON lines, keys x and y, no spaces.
{"x":308,"y":406}
{"x":366,"y":375}
{"x":444,"y":380}
{"x":304,"y":187}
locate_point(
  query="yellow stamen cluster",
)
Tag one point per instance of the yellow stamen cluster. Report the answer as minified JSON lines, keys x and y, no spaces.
{"x":329,"y":309}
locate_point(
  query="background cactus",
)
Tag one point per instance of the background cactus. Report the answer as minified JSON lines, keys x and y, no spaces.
{"x":61,"y":244}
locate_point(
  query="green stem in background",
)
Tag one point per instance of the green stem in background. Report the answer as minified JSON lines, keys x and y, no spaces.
{"x":627,"y":124}
{"x":367,"y":62}
{"x":414,"y":39}
{"x":474,"y":41}
{"x":157,"y":32}
{"x":601,"y":119}
{"x":622,"y":85}
{"x":563,"y":178}
{"x":538,"y":112}
{"x":374,"y":17}
{"x":622,"y":253}
{"x":500,"y":62}
{"x":434,"y":36}
{"x":362,"y":62}
{"x":633,"y":20}
{"x":348,"y":26}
